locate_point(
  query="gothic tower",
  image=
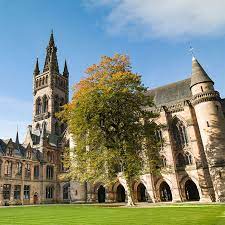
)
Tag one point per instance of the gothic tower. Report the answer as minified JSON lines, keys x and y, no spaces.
{"x":50,"y":90}
{"x":211,"y":123}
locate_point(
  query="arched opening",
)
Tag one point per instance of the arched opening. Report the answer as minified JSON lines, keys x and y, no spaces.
{"x":191,"y":191}
{"x":120,"y":194}
{"x":141,"y":193}
{"x":101,"y":194}
{"x":165,"y":192}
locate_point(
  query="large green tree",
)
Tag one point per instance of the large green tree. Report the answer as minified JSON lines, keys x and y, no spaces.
{"x":113,"y":128}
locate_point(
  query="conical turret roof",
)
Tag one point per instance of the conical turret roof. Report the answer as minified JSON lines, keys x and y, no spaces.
{"x":198,"y":74}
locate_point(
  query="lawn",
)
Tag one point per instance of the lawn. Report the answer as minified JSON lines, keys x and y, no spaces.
{"x":89,"y":215}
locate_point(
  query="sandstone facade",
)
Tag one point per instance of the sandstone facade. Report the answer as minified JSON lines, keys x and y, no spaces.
{"x":193,"y":152}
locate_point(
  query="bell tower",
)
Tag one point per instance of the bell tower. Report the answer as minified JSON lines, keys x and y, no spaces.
{"x":50,"y":90}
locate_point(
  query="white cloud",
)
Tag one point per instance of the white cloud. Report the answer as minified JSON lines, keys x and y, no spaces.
{"x":164,"y":18}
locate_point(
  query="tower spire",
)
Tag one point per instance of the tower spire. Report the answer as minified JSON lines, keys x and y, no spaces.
{"x":198,"y":73}
{"x":51,"y":40}
{"x":65,"y":71}
{"x":36,"y":69}
{"x":17,"y":137}
{"x":51,"y":56}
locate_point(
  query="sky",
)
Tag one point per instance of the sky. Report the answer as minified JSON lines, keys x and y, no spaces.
{"x":156,"y":35}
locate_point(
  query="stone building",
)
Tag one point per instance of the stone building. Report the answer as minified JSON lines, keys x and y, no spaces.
{"x":29,"y":171}
{"x":193,"y":152}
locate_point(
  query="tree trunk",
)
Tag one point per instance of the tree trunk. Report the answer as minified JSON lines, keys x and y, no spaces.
{"x":130,"y":196}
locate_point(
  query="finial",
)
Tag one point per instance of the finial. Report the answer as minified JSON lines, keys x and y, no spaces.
{"x":191,"y":50}
{"x":36,"y":69}
{"x":65,"y":71}
{"x":17,"y":137}
{"x":51,"y":41}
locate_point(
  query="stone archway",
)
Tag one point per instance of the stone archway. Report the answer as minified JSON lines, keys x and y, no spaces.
{"x":120,"y":193}
{"x":191,"y":191}
{"x":101,"y":194}
{"x":141,"y":193}
{"x":165,"y":192}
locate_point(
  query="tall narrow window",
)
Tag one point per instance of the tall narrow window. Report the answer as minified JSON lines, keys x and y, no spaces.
{"x":179,"y":133}
{"x":8,"y":168}
{"x":38,"y":106}
{"x":26,"y":192}
{"x":188,"y":158}
{"x":6,"y":191}
{"x":66,"y":188}
{"x":27,"y":170}
{"x":49,"y":192}
{"x":36,"y":171}
{"x":17,"y":192}
{"x":19,"y":168}
{"x":49,"y":172}
{"x":45,"y":104}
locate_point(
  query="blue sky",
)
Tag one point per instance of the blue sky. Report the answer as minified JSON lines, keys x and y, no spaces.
{"x":155,"y":34}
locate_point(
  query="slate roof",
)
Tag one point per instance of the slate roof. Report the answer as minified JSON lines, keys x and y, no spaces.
{"x":198,"y":73}
{"x":171,"y":93}
{"x":19,"y":150}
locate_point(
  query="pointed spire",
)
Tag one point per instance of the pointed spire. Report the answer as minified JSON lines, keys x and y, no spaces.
{"x":51,"y":56}
{"x":51,"y":40}
{"x":36,"y":69}
{"x":17,"y":137}
{"x":198,"y":73}
{"x":65,"y":71}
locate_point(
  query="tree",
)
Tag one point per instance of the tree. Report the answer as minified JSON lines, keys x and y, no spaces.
{"x":110,"y":121}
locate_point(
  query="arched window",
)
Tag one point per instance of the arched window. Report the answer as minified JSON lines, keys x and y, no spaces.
{"x":188,"y":158}
{"x":66,"y":189}
{"x":179,"y":133}
{"x":163,"y":161}
{"x":180,"y":160}
{"x":45,"y":104}
{"x":38,"y":106}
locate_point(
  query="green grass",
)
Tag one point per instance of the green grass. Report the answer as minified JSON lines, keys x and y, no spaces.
{"x":90,"y":215}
